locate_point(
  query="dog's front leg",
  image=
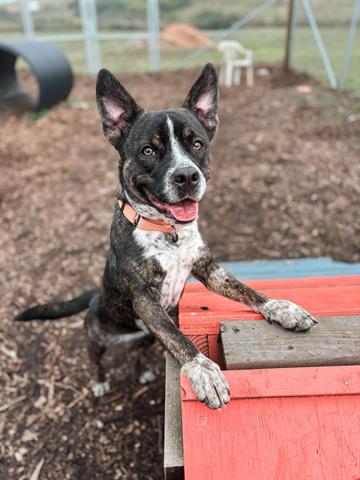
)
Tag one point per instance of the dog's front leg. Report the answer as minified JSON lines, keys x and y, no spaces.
{"x":217,"y":279}
{"x":205,"y":376}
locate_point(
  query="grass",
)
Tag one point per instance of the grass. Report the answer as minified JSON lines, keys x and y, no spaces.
{"x":37,"y":115}
{"x":268,"y":46}
{"x":266,"y":42}
{"x":116,"y":15}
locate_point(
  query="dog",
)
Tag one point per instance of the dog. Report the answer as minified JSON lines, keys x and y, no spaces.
{"x":155,"y":244}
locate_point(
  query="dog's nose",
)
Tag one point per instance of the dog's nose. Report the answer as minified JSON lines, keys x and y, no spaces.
{"x":186,"y":177}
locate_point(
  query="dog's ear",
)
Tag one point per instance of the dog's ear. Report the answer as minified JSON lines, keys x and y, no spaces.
{"x":118,"y":110}
{"x":203,"y":99}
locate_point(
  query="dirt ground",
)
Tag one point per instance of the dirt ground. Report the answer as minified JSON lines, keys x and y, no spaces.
{"x":285,"y":183}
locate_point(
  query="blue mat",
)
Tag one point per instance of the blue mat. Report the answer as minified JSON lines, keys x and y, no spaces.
{"x":291,"y":268}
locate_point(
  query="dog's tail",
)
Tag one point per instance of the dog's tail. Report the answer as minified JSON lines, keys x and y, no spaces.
{"x":52,"y":311}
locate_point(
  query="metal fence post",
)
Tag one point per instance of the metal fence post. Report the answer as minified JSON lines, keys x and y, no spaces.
{"x":320,"y":44}
{"x":153,"y":35}
{"x":88,"y":17}
{"x":291,"y":31}
{"x":349,"y":45}
{"x":26,"y":18}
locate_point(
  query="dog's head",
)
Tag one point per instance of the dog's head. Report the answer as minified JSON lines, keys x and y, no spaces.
{"x":165,"y":155}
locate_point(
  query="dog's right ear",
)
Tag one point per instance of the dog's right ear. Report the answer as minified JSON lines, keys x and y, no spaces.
{"x":118,"y":110}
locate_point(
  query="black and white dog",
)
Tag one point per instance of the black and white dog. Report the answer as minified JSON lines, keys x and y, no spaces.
{"x":155,"y":244}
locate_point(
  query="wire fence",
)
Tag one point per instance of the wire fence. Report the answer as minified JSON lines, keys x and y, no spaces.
{"x":140,"y":36}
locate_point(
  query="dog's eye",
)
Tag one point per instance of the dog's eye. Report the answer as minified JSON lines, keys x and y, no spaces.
{"x":147,"y":151}
{"x":197,"y":145}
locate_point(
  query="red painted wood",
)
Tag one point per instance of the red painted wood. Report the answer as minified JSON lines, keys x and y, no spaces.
{"x":260,"y":436}
{"x":292,"y":282}
{"x":321,"y":296}
{"x":214,"y":353}
{"x":287,"y":382}
{"x":201,"y":342}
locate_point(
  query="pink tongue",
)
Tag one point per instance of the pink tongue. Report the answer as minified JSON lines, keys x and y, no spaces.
{"x":184,"y":211}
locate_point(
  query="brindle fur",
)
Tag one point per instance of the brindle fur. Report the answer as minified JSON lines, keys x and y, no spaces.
{"x":218,"y":280}
{"x":133,"y":281}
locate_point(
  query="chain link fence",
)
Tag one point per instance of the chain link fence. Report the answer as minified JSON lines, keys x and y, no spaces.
{"x":140,"y":36}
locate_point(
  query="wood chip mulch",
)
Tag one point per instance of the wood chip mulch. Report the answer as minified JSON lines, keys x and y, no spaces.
{"x":285,"y":183}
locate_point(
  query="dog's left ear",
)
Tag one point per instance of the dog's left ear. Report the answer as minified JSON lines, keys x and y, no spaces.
{"x":203,"y":99}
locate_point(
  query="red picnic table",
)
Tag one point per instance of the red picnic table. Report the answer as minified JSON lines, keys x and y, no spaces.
{"x":300,"y":420}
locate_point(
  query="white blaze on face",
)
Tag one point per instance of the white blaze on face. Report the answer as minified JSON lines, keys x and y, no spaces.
{"x":180,"y":159}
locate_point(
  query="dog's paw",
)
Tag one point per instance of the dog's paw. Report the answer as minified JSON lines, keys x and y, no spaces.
{"x":207,"y":381}
{"x":100,"y":389}
{"x":288,"y":315}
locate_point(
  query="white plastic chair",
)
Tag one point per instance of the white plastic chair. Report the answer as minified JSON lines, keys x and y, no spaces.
{"x":230,"y":72}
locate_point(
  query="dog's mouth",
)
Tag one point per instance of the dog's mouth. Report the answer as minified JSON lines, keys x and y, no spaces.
{"x":184,"y":211}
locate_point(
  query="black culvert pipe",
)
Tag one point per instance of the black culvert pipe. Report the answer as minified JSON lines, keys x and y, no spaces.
{"x":48,"y":64}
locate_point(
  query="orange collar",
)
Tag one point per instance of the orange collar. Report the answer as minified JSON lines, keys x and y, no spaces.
{"x":147,"y":224}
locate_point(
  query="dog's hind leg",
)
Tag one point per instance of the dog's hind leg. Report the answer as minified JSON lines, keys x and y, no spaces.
{"x":99,"y":339}
{"x":96,"y":346}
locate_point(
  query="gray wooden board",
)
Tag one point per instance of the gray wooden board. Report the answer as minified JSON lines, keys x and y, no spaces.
{"x":257,"y":344}
{"x":173,"y":447}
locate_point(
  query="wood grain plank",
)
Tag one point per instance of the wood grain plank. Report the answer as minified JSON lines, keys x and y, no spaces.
{"x":308,"y":438}
{"x":248,"y":344}
{"x":201,"y":342}
{"x":275,"y":283}
{"x":214,"y":351}
{"x":173,"y":447}
{"x":286,"y":382}
{"x":201,"y":311}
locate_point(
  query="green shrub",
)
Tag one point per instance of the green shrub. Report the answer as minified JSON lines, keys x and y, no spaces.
{"x":212,"y":20}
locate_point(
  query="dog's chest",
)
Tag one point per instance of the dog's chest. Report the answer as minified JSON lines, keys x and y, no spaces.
{"x":176,"y":259}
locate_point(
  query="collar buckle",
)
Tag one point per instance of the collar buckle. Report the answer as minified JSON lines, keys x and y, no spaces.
{"x":137,"y":220}
{"x":174,"y":235}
